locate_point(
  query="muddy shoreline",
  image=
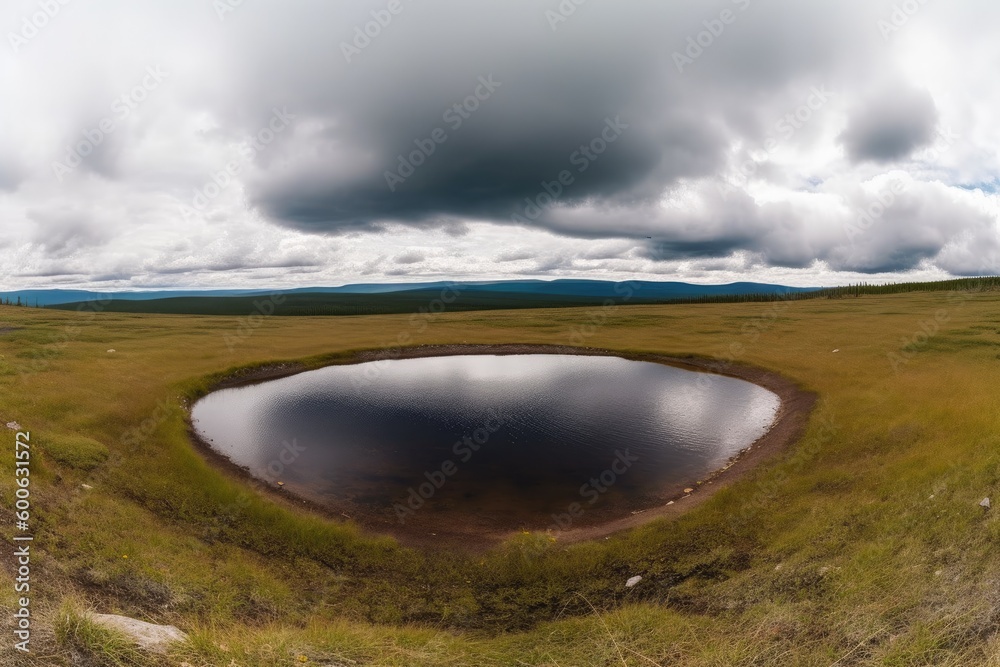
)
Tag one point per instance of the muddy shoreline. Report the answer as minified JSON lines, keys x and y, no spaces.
{"x":451,"y":532}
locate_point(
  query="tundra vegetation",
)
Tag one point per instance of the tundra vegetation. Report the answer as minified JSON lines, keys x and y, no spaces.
{"x":862,"y":544}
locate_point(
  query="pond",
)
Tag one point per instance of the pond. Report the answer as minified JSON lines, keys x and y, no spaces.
{"x":486,"y":444}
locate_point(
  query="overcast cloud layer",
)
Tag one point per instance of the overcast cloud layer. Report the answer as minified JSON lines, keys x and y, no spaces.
{"x":263,"y":143}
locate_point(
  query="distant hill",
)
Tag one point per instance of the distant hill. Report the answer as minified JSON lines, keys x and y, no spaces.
{"x":415,"y":297}
{"x":412,"y":298}
{"x":556,"y":288}
{"x":59,"y":296}
{"x":410,"y":301}
{"x":642,"y":289}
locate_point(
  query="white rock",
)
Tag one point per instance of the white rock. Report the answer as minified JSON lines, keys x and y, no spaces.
{"x":153,"y":638}
{"x":985,"y":503}
{"x":633,"y":581}
{"x":86,"y":487}
{"x":13,"y":426}
{"x":836,"y":351}
{"x":112,"y":351}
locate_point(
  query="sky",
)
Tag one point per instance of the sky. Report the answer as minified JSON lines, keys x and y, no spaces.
{"x":258,"y":143}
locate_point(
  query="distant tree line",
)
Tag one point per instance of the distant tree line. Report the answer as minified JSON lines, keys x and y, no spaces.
{"x":25,"y":304}
{"x":990,"y":284}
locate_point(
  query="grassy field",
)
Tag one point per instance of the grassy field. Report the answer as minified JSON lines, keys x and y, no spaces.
{"x":863,"y":544}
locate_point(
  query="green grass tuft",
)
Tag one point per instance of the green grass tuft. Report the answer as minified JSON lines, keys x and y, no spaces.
{"x":91,"y":644}
{"x":74,"y":451}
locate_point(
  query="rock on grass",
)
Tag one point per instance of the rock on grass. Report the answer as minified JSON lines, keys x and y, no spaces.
{"x":148,"y":636}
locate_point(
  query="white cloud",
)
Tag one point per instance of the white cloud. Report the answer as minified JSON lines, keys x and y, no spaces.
{"x":733,"y":169}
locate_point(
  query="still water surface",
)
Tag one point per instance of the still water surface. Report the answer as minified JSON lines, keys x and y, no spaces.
{"x":506,"y":441}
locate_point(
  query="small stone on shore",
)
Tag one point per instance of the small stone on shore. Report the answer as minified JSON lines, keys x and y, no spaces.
{"x":633,"y":581}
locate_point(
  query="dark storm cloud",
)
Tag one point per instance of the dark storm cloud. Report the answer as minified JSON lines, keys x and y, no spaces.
{"x":515,"y":255}
{"x":600,"y":99}
{"x":235,"y":265}
{"x":680,"y":249}
{"x":891,"y":125}
{"x":99,"y":158}
{"x":50,"y":273}
{"x":63,"y":232}
{"x":410,"y":257}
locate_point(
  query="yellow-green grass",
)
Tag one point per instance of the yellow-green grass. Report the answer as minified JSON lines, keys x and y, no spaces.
{"x":72,"y":451}
{"x":862,"y":544}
